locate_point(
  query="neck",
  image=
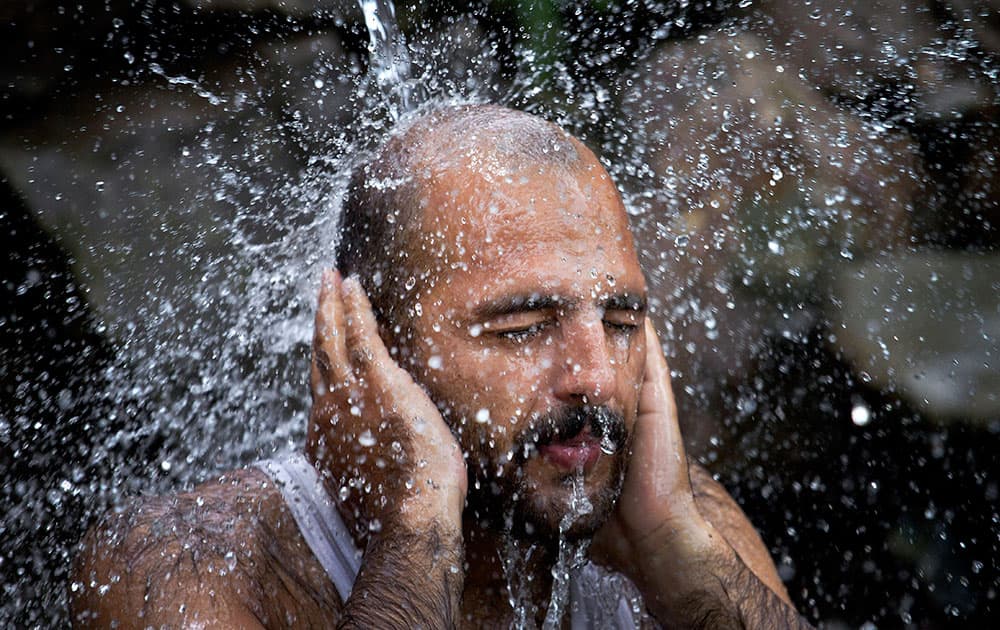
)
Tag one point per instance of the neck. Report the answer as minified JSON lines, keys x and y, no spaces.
{"x":510,"y":578}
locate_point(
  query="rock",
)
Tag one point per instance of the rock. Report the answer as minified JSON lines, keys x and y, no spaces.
{"x":54,"y":430}
{"x":888,"y":57}
{"x":765,"y":188}
{"x":194,"y":219}
{"x":926,"y":325}
{"x":157,"y":168}
{"x":978,"y":202}
{"x":45,"y":44}
{"x":982,"y":17}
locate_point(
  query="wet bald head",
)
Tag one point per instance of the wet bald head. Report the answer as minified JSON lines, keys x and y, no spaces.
{"x":387,"y":197}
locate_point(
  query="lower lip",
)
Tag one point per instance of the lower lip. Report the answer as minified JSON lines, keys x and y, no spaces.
{"x":572,"y":456}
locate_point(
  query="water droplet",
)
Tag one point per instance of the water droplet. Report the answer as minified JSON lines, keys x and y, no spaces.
{"x":861,"y":415}
{"x":366,"y":438}
{"x":607,"y":445}
{"x":483,"y":416}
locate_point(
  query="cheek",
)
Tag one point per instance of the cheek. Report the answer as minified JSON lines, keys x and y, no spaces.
{"x":512,"y":378}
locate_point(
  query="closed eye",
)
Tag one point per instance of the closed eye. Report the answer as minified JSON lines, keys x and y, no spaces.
{"x":520,"y":335}
{"x":623,"y":322}
{"x":621,"y":327}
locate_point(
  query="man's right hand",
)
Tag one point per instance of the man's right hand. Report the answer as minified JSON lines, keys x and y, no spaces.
{"x":378,"y":434}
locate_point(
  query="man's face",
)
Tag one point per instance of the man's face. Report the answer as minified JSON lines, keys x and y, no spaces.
{"x":528,"y":334}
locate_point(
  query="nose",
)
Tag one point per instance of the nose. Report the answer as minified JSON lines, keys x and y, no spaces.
{"x":585,"y":374}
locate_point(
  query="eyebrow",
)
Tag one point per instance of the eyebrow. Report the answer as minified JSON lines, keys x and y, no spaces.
{"x":510,"y":304}
{"x":625,"y":302}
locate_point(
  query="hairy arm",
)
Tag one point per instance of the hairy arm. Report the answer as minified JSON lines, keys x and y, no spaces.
{"x":720,"y":510}
{"x":729,"y":582}
{"x":412,"y":573}
{"x":410,"y":578}
{"x":724,"y":593}
{"x":737,"y":585}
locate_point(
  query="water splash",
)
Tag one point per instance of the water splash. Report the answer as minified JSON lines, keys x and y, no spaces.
{"x":515,"y":558}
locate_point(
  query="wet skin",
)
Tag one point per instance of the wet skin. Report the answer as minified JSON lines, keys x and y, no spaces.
{"x":533,"y":304}
{"x":531,"y":301}
{"x":540,"y":310}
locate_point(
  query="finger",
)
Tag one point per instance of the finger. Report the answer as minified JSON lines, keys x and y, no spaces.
{"x":658,"y":445}
{"x":368,"y":354}
{"x":330,"y":359}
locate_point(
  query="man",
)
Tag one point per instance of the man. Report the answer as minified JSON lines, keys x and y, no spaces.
{"x":500,"y":402}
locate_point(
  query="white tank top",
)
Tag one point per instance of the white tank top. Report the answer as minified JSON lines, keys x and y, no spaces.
{"x":598,"y":598}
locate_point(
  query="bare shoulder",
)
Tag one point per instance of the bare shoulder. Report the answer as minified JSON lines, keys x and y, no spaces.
{"x":227,"y":554}
{"x":718,"y":508}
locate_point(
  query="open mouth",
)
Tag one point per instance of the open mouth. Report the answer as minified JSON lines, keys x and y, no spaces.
{"x":579,"y":452}
{"x":573,"y":439}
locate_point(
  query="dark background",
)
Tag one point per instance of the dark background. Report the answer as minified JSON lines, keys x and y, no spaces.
{"x":816,"y":195}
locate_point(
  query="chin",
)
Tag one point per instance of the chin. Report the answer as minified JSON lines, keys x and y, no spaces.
{"x":544,"y":501}
{"x":555,"y":515}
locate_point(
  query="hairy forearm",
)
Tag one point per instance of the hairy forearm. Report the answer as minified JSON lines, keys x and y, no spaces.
{"x":408,"y":579}
{"x":719,"y":592}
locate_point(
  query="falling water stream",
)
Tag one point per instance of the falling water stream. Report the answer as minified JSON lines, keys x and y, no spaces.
{"x":822,"y":308}
{"x":388,"y":57}
{"x":571,"y":555}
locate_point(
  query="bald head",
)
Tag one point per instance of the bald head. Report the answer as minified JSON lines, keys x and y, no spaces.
{"x":388,"y":195}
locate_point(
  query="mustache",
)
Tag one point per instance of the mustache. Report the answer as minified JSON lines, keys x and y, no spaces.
{"x":604,"y":424}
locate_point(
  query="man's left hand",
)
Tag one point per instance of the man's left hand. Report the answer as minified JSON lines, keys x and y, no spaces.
{"x":685,"y":569}
{"x":656,"y":513}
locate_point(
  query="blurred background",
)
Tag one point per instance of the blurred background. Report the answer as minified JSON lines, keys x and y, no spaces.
{"x":814,"y":186}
